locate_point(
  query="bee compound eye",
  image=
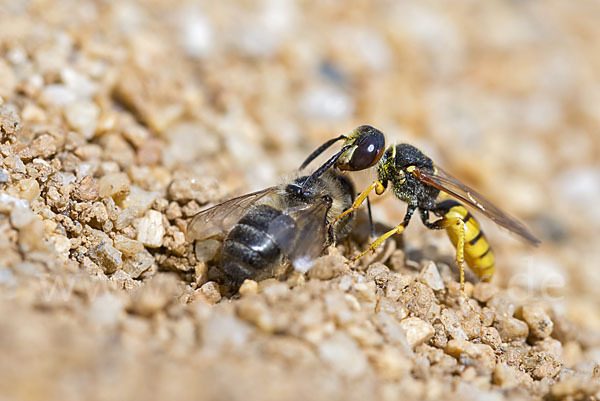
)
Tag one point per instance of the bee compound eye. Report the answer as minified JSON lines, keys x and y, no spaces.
{"x":368,"y":149}
{"x":294,"y":189}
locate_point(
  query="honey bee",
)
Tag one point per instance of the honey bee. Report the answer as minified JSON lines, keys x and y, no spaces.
{"x":288,"y":223}
{"x":417,"y":181}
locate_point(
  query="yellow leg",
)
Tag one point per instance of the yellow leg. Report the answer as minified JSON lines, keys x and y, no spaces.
{"x":460,"y":255}
{"x":377,"y":186}
{"x":460,"y":246}
{"x":396,"y":230}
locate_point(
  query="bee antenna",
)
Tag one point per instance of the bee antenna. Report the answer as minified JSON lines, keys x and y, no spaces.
{"x":320,"y":150}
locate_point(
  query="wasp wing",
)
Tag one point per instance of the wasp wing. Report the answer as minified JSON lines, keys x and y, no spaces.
{"x":447,"y":183}
{"x":219,"y":219}
{"x":301,"y":233}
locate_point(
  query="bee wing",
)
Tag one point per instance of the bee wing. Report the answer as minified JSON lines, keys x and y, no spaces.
{"x":301,"y":233}
{"x":220,"y":218}
{"x":447,"y":183}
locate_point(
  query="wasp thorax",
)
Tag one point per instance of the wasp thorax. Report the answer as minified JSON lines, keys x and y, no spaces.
{"x":407,"y":155}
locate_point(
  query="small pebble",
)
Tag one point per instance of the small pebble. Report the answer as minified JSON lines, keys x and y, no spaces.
{"x":511,"y":329}
{"x":188,"y":187}
{"x":393,"y":331}
{"x":127,"y":246}
{"x":328,"y":267}
{"x":155,"y":294}
{"x":391,"y":363}
{"x":207,"y":250}
{"x":419,"y":299}
{"x":431,"y":276}
{"x":114,"y":185}
{"x":550,"y":346}
{"x":106,"y":256}
{"x":29,"y":189}
{"x":138,"y":263}
{"x":62,"y":244}
{"x":44,"y":146}
{"x":210,"y":291}
{"x":139,"y":200}
{"x":21,"y":216}
{"x":7,"y":277}
{"x":395,"y":285}
{"x":508,"y":377}
{"x":575,"y":388}
{"x":196,"y":34}
{"x":344,"y":355}
{"x":483,"y":291}
{"x":223,"y":331}
{"x":379,"y":273}
{"x":8,"y":203}
{"x":248,"y":287}
{"x":31,"y":238}
{"x":417,"y":331}
{"x":541,"y":365}
{"x":86,"y":190}
{"x":150,"y":229}
{"x":106,"y":310}
{"x":452,"y":324}
{"x":464,"y":350}
{"x":540,"y":324}
{"x":83,"y":117}
{"x":58,"y":95}
{"x":200,"y":273}
{"x":491,"y":337}
{"x":365,"y":292}
{"x":257,"y":312}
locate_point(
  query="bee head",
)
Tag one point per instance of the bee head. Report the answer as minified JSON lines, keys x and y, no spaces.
{"x":295,"y":189}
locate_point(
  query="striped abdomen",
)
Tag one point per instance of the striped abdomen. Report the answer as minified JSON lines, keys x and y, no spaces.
{"x":478,"y":253}
{"x":249,"y":252}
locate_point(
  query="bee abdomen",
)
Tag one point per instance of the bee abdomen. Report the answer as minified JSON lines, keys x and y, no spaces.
{"x":249,"y":251}
{"x":478,"y":253}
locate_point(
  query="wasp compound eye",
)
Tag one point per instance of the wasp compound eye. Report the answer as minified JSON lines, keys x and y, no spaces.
{"x":369,"y":147}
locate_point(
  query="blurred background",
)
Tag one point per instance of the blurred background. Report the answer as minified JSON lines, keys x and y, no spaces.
{"x":503,"y":94}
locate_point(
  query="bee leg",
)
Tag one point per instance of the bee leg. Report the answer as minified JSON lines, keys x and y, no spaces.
{"x":331,"y":240}
{"x":377,"y":186}
{"x":396,"y":230}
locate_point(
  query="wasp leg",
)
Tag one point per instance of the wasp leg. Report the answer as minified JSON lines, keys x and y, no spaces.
{"x":442,"y":224}
{"x":445,"y":223}
{"x":371,"y":225}
{"x":377,"y":186}
{"x":396,"y":230}
{"x":435,"y":225}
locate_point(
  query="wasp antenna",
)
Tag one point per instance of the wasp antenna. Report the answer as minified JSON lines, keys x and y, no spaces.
{"x":320,"y":150}
{"x":326,"y":166}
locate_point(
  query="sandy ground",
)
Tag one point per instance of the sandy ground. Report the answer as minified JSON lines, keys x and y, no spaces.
{"x":121,"y":120}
